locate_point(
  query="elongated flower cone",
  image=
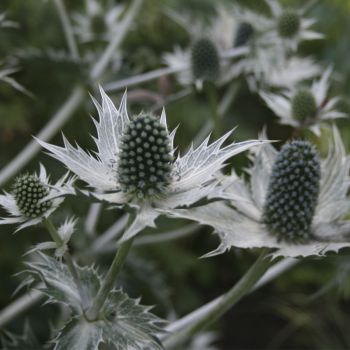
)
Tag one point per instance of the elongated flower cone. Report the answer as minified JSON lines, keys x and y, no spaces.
{"x":145,"y":157}
{"x":205,"y":60}
{"x":293,"y":192}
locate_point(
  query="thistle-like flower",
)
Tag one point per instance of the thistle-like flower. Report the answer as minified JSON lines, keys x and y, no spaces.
{"x":33,"y":198}
{"x":97,"y":22}
{"x":135,"y":163}
{"x":289,"y":26}
{"x":295,"y":203}
{"x":237,"y":44}
{"x":303,"y":107}
{"x":212,"y":47}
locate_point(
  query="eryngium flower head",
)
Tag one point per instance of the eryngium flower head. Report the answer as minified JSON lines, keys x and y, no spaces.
{"x":205,"y":60}
{"x":28,"y":192}
{"x":288,"y":24}
{"x":33,"y":198}
{"x":293,"y":192}
{"x":282,"y":194}
{"x":244,"y":33}
{"x":305,"y":107}
{"x":145,"y":157}
{"x":134,"y":164}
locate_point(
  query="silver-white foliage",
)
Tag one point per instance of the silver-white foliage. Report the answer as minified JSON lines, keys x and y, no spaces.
{"x":238,"y":222}
{"x":193,"y":177}
{"x":281,"y":104}
{"x":123,"y":322}
{"x":63,"y":186}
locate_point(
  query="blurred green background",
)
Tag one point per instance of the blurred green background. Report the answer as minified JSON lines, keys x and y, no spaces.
{"x":307,"y":307}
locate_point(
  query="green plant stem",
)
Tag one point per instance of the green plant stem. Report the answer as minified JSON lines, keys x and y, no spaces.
{"x":241,"y":288}
{"x":214,"y":107}
{"x":67,"y":28}
{"x":70,"y":264}
{"x":110,"y":278}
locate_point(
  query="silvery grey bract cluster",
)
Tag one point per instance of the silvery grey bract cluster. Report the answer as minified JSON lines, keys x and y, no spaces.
{"x":293,"y":192}
{"x":302,"y":106}
{"x":145,"y":163}
{"x":191,"y":176}
{"x":241,"y":222}
{"x":28,"y":190}
{"x":34,"y":198}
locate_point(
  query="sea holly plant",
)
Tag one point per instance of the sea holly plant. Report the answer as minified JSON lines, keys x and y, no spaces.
{"x":305,"y":107}
{"x":295,"y":203}
{"x":136,"y":166}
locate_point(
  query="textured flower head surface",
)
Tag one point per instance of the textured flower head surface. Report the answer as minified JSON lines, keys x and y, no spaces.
{"x":303,"y":107}
{"x":295,"y":203}
{"x":289,"y":26}
{"x":33,"y":198}
{"x":97,"y":22}
{"x":135,"y":163}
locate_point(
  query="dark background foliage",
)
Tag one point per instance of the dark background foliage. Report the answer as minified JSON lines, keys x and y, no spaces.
{"x":307,"y":307}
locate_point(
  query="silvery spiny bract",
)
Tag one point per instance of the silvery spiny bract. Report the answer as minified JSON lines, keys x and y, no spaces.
{"x":33,"y":198}
{"x":289,"y":26}
{"x":252,"y":219}
{"x":305,"y":107}
{"x":245,"y":48}
{"x":130,"y":170}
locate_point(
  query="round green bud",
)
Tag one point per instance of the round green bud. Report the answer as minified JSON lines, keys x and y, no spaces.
{"x":288,"y":24}
{"x":244,"y":33}
{"x":293,"y":192}
{"x":304,"y":105}
{"x":28,"y":190}
{"x":205,"y":60}
{"x":145,"y":159}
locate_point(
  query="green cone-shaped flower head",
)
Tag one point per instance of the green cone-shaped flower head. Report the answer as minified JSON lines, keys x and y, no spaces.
{"x":244,"y":33}
{"x":293,"y":192}
{"x":28,"y":190}
{"x":145,"y":163}
{"x":288,"y":24}
{"x":304,"y":105}
{"x":205,"y":60}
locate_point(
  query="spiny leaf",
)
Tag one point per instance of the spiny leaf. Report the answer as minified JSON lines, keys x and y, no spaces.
{"x":123,"y":324}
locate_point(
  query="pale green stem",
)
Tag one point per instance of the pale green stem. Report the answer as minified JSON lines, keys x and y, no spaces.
{"x":141,"y":78}
{"x":212,"y":314}
{"x":101,"y":65}
{"x":67,"y":28}
{"x":70,"y":264}
{"x":111,"y":276}
{"x":214,"y":107}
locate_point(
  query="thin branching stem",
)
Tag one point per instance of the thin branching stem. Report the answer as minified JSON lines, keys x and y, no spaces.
{"x":216,"y":309}
{"x":67,"y":28}
{"x":111,"y":276}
